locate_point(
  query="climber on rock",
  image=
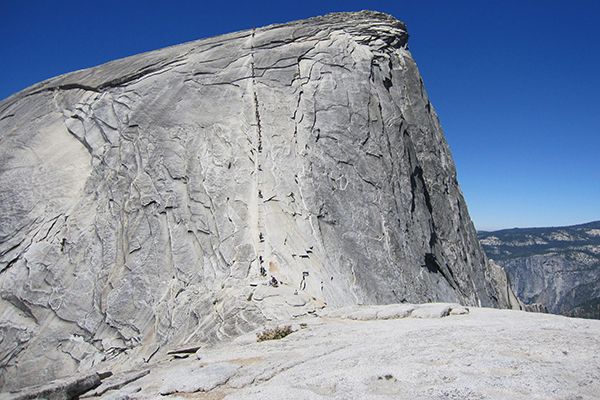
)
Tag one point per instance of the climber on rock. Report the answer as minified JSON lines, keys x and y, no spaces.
{"x":303,"y":281}
{"x":273,"y":282}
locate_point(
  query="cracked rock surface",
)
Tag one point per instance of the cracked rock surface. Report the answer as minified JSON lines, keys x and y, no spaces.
{"x":187,"y":195}
{"x":397,"y":351}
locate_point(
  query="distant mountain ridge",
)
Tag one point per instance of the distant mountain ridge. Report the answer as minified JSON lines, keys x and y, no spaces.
{"x":558,"y":267}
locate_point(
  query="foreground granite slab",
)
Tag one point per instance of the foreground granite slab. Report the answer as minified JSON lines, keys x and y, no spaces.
{"x":474,"y":353}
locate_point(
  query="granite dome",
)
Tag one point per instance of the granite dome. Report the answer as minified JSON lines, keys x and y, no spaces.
{"x":191,"y":193}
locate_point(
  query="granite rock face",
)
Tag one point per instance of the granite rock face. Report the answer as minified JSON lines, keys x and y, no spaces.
{"x":558,"y":268}
{"x":189,"y":194}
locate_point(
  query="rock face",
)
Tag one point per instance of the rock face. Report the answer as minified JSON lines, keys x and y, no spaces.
{"x":558,"y":268}
{"x":189,"y":194}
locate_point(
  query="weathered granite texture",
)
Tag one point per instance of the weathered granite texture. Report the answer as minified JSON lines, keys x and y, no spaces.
{"x":147,"y":203}
{"x":397,"y":351}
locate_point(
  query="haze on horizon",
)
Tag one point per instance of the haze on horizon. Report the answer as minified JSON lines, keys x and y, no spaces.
{"x":515,"y":84}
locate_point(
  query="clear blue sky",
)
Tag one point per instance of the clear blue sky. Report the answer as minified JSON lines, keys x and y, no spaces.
{"x":516,"y":84}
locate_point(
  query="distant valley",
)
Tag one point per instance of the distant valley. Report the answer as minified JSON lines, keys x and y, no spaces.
{"x":558,"y":267}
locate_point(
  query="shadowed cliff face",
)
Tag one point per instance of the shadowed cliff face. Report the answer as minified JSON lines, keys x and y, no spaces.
{"x":148,"y":203}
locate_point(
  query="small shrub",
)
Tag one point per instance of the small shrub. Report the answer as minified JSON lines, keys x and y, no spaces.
{"x":275,"y":333}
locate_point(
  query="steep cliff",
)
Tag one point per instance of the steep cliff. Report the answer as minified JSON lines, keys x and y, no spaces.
{"x":188,"y":194}
{"x":557,"y":267}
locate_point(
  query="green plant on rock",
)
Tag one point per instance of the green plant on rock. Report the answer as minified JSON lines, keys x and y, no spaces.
{"x":274,"y":333}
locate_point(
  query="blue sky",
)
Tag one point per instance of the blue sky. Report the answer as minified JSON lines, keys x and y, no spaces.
{"x":516,"y":84}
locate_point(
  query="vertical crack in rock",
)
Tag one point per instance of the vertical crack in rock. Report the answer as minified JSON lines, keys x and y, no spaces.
{"x":258,"y":158}
{"x":256,"y":107}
